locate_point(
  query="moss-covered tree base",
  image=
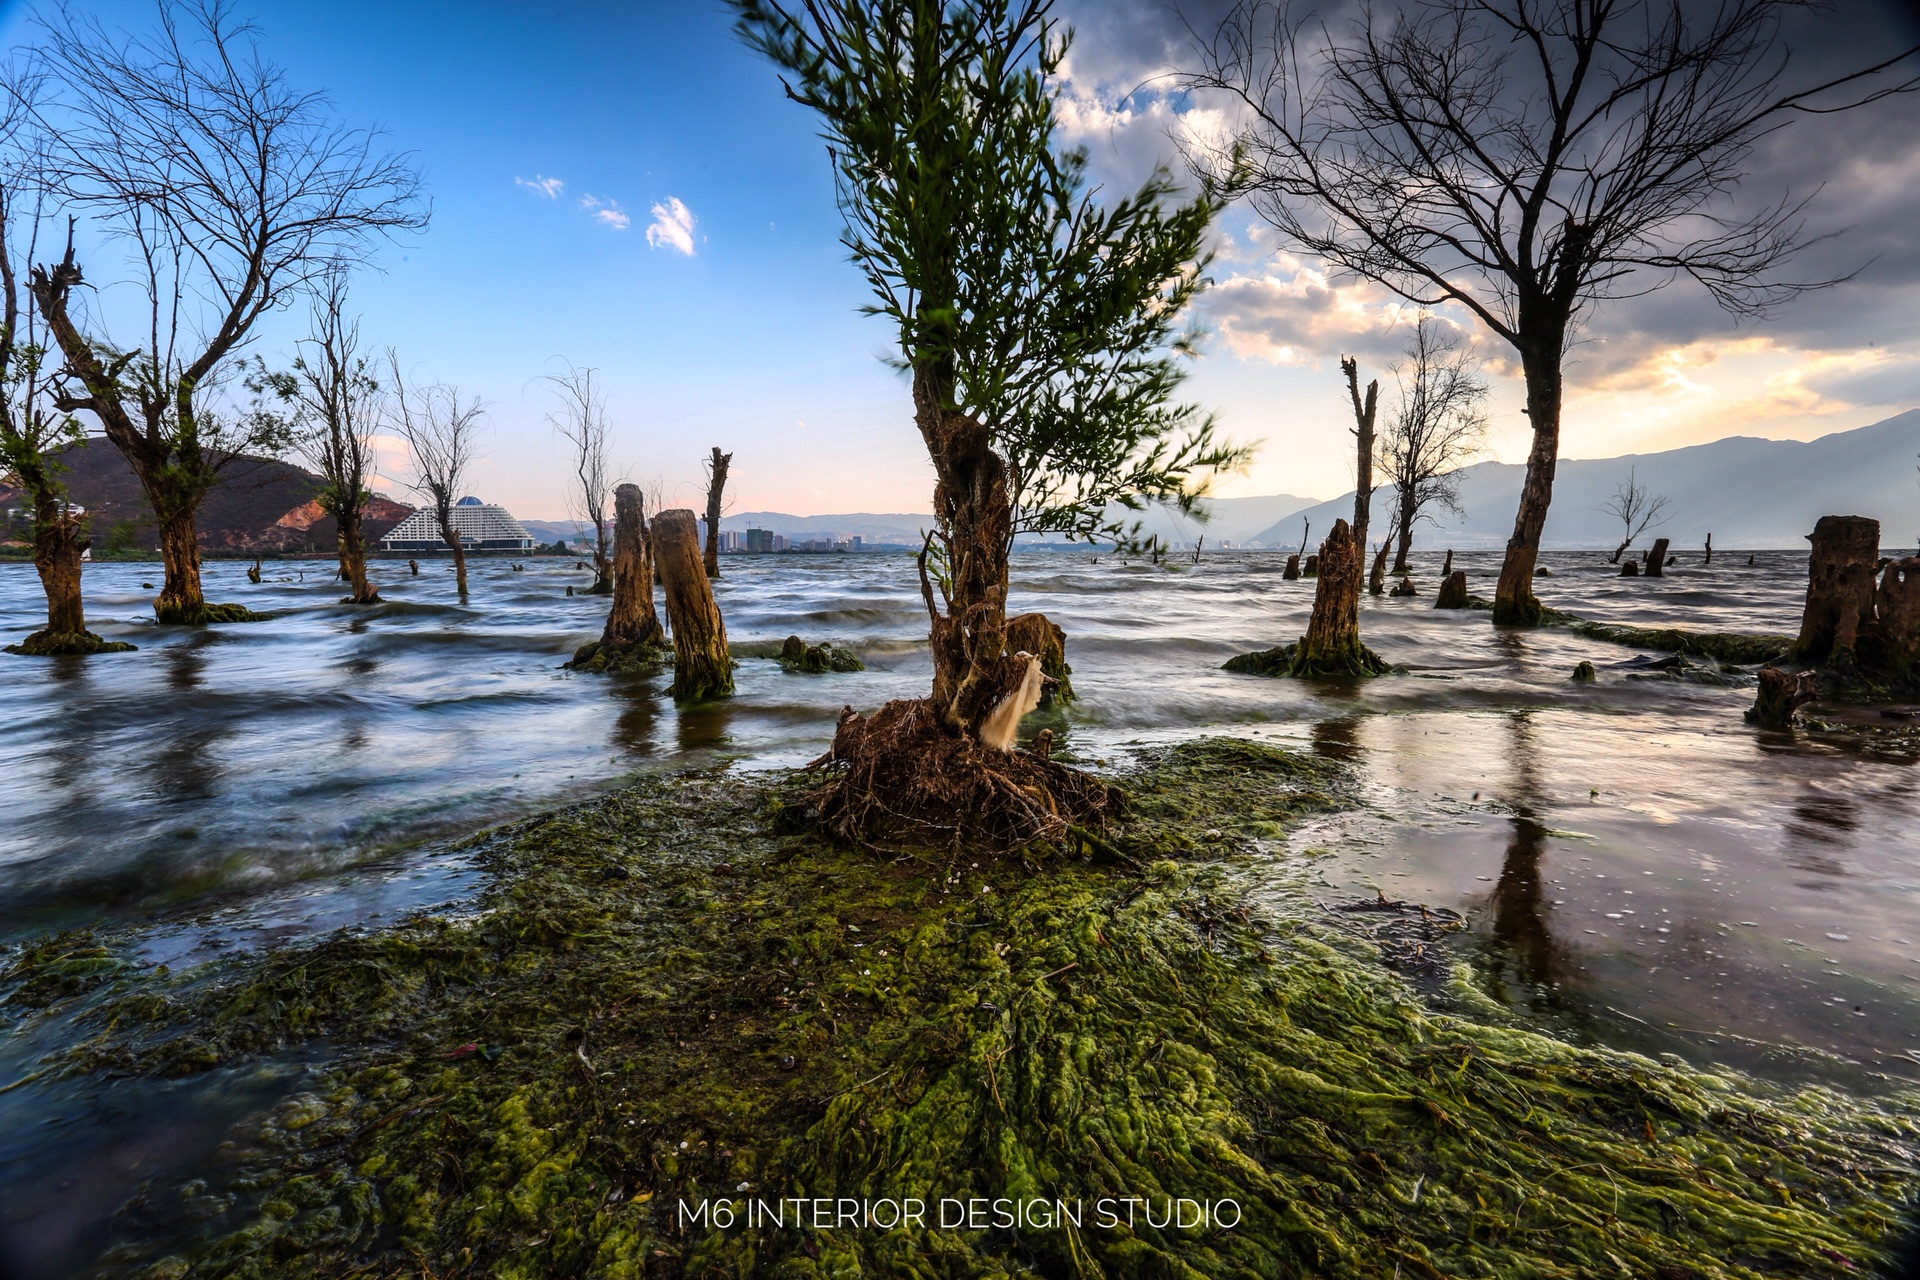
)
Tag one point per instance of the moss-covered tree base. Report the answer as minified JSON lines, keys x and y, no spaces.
{"x":61,"y":644}
{"x":206,"y":615}
{"x":1293,"y":660}
{"x":796,"y":655}
{"x":660,"y":1000}
{"x":601,"y":658}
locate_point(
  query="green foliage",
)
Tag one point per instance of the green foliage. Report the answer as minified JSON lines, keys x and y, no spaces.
{"x":1048,"y":317}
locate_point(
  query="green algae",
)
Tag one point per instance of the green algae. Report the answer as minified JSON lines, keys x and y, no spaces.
{"x":63,"y":644}
{"x":596,"y":657}
{"x":796,"y":655}
{"x":661,"y":997}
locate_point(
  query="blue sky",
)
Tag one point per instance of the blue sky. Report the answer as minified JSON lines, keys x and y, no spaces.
{"x":752,"y":340}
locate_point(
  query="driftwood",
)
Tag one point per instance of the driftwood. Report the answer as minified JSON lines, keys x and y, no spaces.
{"x":1657,"y":558}
{"x":702,"y":667}
{"x":1453,"y":591}
{"x":1782,"y":694}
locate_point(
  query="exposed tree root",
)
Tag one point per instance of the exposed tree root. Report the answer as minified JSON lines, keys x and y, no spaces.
{"x":603,"y":659}
{"x":59,"y":644}
{"x":205,"y":614}
{"x":900,"y":778}
{"x":1286,"y":660}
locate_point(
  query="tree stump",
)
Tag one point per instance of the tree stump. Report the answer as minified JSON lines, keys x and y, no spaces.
{"x":1629,"y":568}
{"x":717,"y":465}
{"x":1039,"y":635}
{"x":1897,"y":603}
{"x":1657,"y":558}
{"x":632,"y":641}
{"x":253,"y":572}
{"x":1292,"y":573}
{"x":1310,"y":569}
{"x":1377,"y":580}
{"x":1332,"y":643}
{"x":1453,"y":591}
{"x":1840,"y":589}
{"x":1709,"y":557}
{"x":702,"y":667}
{"x":1781,"y":695}
{"x":1405,"y":587}
{"x":1446,"y":570}
{"x":1584,"y":673}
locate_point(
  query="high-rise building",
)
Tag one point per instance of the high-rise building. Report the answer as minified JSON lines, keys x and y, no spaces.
{"x":480,"y":526}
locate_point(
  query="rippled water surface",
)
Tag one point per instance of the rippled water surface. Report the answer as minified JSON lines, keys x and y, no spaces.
{"x":1635,"y":863}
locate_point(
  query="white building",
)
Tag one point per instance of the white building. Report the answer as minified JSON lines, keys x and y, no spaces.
{"x":479,"y":526}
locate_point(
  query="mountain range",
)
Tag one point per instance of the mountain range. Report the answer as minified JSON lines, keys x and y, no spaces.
{"x":1748,"y":493}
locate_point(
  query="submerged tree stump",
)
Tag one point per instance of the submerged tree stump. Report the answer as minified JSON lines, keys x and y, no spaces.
{"x":1292,"y":573}
{"x":1039,"y":635}
{"x":1310,"y":569}
{"x":702,"y":668}
{"x":1377,"y":580}
{"x":1446,"y":570}
{"x":1453,"y":591}
{"x":1897,"y":606}
{"x":632,"y":641}
{"x":1405,"y":587}
{"x":1782,"y":694}
{"x":1657,"y":558}
{"x":1629,"y":568}
{"x":1332,"y":643}
{"x":1840,"y":589}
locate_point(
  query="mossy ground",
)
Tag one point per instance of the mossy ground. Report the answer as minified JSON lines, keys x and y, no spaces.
{"x":208,"y":615}
{"x":797,"y":656}
{"x":596,"y":658}
{"x":62,"y":644}
{"x":676,"y":992}
{"x":1288,"y":660}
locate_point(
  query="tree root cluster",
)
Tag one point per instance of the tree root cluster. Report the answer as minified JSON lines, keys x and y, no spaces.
{"x":901,"y":778}
{"x":60,"y":644}
{"x":206,"y":615}
{"x":796,"y":655}
{"x":603,"y":659}
{"x":658,"y":1000}
{"x":1288,"y":660}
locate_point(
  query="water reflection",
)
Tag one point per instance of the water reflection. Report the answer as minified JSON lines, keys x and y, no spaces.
{"x":1337,"y":740}
{"x":1520,"y":903}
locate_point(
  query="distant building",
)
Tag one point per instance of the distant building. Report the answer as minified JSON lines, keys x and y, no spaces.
{"x":480,"y":526}
{"x":759,"y":540}
{"x":730,"y":540}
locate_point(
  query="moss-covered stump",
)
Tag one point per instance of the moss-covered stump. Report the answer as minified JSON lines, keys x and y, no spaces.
{"x":61,"y":644}
{"x":817,"y":659}
{"x":601,"y":658}
{"x":1286,"y":660}
{"x":203,"y":615}
{"x":659,"y":1000}
{"x":1453,"y":591}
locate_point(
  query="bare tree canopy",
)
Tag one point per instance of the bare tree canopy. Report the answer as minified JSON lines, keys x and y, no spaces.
{"x":1439,"y":423}
{"x":336,"y":406}
{"x":442,"y":430}
{"x":1524,"y":160}
{"x":1637,"y":509}
{"x":232,"y":191}
{"x":581,"y":420}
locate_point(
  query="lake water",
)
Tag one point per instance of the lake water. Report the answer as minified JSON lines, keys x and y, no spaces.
{"x":1637,"y":866}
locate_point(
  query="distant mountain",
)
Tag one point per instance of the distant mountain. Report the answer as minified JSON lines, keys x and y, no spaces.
{"x":260,"y":504}
{"x":1746,"y":492}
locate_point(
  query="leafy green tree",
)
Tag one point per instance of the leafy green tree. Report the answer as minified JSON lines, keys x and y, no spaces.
{"x":1042,"y":329}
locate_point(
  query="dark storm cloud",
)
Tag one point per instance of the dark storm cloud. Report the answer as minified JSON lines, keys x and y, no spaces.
{"x":1862,"y":169}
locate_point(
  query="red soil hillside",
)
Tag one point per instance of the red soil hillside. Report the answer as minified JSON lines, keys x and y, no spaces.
{"x":260,"y":504}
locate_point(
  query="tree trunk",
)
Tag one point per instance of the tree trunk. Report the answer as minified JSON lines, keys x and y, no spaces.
{"x":716,"y":482}
{"x":180,"y":599}
{"x":1292,"y":571}
{"x":1781,"y":695}
{"x":1040,"y":636}
{"x":1405,"y":533}
{"x":57,"y":548}
{"x":1897,"y":603}
{"x":452,"y":539}
{"x":1630,"y":568}
{"x":1363,"y":417}
{"x":1513,"y":600}
{"x":1377,"y":580}
{"x":1840,"y":589}
{"x":353,"y":557}
{"x":1332,"y":643}
{"x":632,"y":620}
{"x":1310,"y":569}
{"x":603,"y":569}
{"x":1620,"y":551}
{"x":702,"y":667}
{"x":1657,"y":559}
{"x":971,"y":670}
{"x":1446,"y":570}
{"x":1453,"y":591}
{"x":1709,"y":559}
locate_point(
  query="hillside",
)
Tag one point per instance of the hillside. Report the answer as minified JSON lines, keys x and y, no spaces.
{"x":1746,"y":492}
{"x":260,"y":504}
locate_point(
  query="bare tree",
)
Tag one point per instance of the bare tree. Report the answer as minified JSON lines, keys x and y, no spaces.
{"x":232,"y":190}
{"x":1364,"y":412}
{"x":441,"y":430}
{"x":1526,"y":160}
{"x":717,"y":464}
{"x":1637,"y":510}
{"x":336,"y":409}
{"x":581,"y":421}
{"x":1439,"y":423}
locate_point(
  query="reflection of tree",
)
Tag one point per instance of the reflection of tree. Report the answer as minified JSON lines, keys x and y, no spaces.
{"x":1520,"y":905}
{"x":639,"y":712}
{"x":183,"y":767}
{"x":1337,"y":739}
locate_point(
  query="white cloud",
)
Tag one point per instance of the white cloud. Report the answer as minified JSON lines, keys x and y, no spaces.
{"x":672,"y":226}
{"x":606,"y":212}
{"x":542,"y":186}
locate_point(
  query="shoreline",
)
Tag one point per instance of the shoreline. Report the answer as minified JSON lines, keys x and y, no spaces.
{"x":673,"y":990}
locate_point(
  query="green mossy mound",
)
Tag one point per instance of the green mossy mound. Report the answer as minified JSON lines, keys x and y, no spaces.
{"x":798,"y":656}
{"x":1287,"y":660}
{"x":1743,"y":649}
{"x":659,"y":997}
{"x":61,"y":644}
{"x":621,"y":660}
{"x":207,"y":615}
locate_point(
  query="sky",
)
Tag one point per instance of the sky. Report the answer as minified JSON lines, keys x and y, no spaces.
{"x":623,"y":187}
